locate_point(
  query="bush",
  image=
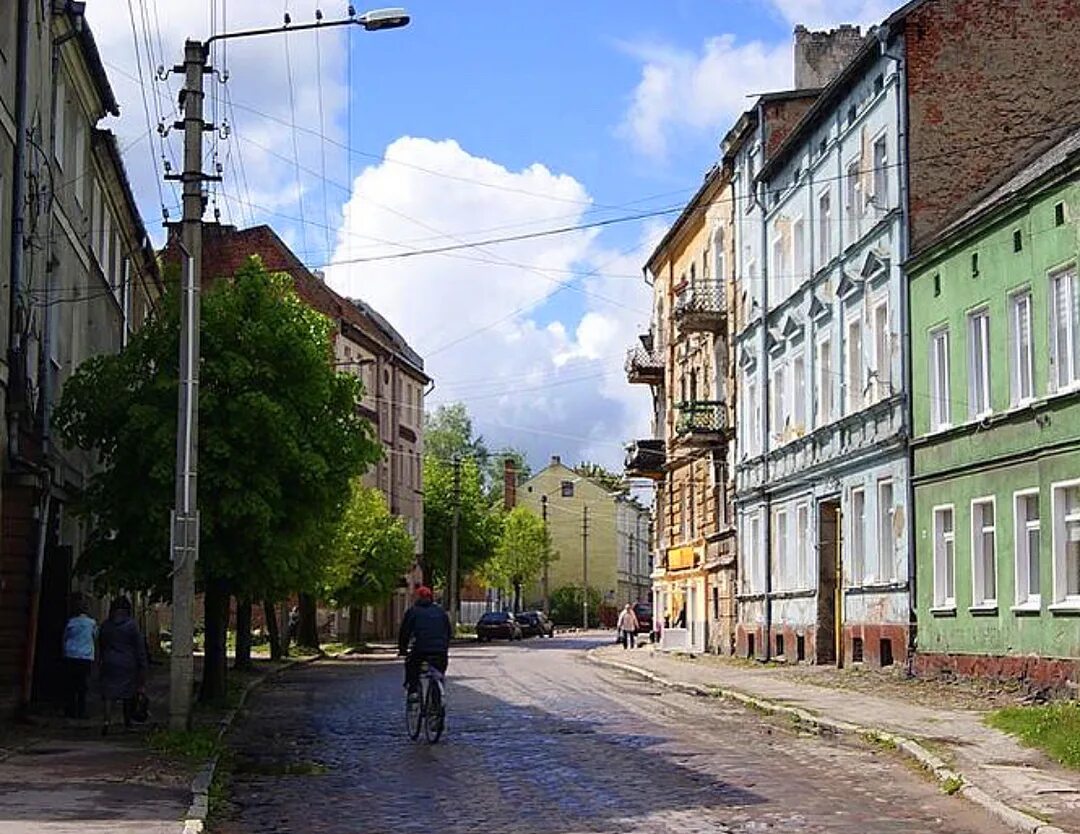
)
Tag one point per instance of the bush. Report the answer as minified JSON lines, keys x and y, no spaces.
{"x":566,"y":606}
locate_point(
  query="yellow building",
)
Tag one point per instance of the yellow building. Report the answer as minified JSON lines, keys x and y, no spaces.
{"x":686,"y":360}
{"x":601,"y":538}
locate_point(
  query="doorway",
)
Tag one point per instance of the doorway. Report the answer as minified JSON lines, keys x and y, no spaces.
{"x":828,"y":581}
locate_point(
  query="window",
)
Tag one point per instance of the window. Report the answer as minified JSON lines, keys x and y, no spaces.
{"x":944,"y":558}
{"x":778,"y":277}
{"x":80,"y":164}
{"x":855,"y":372}
{"x":983,"y":554}
{"x":798,"y":237}
{"x":1064,"y":329}
{"x":881,"y":174}
{"x":798,"y":384}
{"x":95,"y":218}
{"x":1026,"y":530}
{"x":1067,"y":543}
{"x":1022,"y":358}
{"x":825,"y":228}
{"x":825,"y":382}
{"x":751,"y":416}
{"x":802,"y":546}
{"x":780,"y":400}
{"x":1018,"y":241}
{"x":886,"y":531}
{"x":566,"y":489}
{"x":979,"y":364}
{"x":757,"y":554}
{"x":854,"y":198}
{"x":858,"y":536}
{"x":1059,"y":214}
{"x":882,"y":353}
{"x":940,"y":406}
{"x":780,"y":538}
{"x":58,"y":122}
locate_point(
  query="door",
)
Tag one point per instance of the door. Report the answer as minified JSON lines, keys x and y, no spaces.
{"x":828,"y":549}
{"x":52,"y":618}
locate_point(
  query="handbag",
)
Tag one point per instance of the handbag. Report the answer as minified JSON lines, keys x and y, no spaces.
{"x":140,"y":708}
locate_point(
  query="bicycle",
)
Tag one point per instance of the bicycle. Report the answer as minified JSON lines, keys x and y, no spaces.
{"x":427,"y":713}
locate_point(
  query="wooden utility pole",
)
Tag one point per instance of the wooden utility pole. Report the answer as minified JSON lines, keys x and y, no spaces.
{"x":547,"y":552}
{"x":452,"y":582}
{"x":585,"y":568}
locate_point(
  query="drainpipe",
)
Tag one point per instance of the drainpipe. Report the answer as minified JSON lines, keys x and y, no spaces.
{"x":765,"y":399}
{"x":908,"y":421}
{"x":18,"y":208}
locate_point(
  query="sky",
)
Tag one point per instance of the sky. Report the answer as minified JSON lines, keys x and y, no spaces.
{"x":478,"y":121}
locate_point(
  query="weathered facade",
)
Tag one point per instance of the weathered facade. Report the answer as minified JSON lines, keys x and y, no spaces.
{"x":78,"y":276}
{"x":394,"y":381}
{"x":996,"y":360}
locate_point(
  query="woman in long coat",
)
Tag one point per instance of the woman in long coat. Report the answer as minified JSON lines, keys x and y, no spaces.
{"x":123,"y":660}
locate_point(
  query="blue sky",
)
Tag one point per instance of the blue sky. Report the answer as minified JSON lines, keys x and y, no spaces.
{"x":481,"y":118}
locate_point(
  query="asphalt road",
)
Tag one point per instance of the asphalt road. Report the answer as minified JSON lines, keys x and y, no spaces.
{"x":541,"y":741}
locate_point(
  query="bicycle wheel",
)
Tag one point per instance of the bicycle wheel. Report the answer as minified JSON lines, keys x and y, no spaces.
{"x":434,"y":712}
{"x":414,"y":714}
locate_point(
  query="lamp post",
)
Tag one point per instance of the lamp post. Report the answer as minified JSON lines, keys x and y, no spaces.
{"x":184,"y":535}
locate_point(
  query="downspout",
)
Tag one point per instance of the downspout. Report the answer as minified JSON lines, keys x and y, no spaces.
{"x":908,"y":420}
{"x":765,"y":399}
{"x":18,"y":219}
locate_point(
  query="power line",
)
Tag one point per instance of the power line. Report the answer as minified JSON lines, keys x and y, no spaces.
{"x":322,"y":132}
{"x":295,"y":142}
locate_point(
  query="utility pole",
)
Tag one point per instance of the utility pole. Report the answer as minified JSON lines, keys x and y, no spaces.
{"x":452,"y":589}
{"x":185,"y":516}
{"x":585,"y":567}
{"x":547,"y":552}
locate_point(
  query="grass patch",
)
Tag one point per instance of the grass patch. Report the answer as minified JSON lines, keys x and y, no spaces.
{"x":878,"y":740}
{"x":199,"y":744}
{"x":952,"y":785}
{"x":298,"y":768}
{"x":1053,"y":728}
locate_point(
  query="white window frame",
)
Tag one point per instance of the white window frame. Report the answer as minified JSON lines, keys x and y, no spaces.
{"x":858,"y":543}
{"x":1063,"y":600}
{"x":799,"y":272}
{"x":854,"y":378}
{"x":752,"y":414}
{"x":59,"y":122}
{"x":825,"y":232}
{"x":979,"y":335}
{"x":853,"y":196}
{"x":1018,"y":361}
{"x":826,"y":388}
{"x":781,"y":542}
{"x":779,"y":399}
{"x":979,"y":559}
{"x":882,"y":350}
{"x":886,"y":531}
{"x":802,"y":545}
{"x":1065,"y":370}
{"x":798,"y":390}
{"x":1022,"y":526}
{"x":942,"y":600}
{"x":940,"y":407}
{"x":881,"y":172}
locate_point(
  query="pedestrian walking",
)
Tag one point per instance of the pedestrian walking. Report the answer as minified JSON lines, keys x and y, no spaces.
{"x":123,"y":662}
{"x":628,"y":627}
{"x":80,"y":642}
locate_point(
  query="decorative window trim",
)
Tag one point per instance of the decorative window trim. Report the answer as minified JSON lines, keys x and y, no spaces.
{"x":849,"y":286}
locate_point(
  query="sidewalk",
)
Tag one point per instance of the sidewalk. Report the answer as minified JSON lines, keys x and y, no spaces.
{"x":994,"y":767}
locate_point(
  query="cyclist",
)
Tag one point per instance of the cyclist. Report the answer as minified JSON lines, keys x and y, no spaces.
{"x":424,"y":636}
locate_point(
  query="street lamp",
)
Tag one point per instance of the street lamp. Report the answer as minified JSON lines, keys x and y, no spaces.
{"x":184,"y":534}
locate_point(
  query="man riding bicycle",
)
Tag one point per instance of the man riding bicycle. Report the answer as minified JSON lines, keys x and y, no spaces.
{"x":424,"y":636}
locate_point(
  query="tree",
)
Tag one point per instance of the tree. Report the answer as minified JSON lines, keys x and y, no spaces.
{"x":520,"y":554}
{"x":449,"y":431}
{"x":281,"y":439}
{"x":566,"y":605}
{"x":611,"y":481}
{"x":372,"y":551}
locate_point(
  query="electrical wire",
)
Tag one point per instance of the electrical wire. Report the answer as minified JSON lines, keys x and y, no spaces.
{"x":295,"y":142}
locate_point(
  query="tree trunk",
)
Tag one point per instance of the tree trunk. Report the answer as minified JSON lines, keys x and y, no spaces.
{"x":272,"y":630}
{"x":356,"y":612}
{"x":307,"y":635}
{"x":216,"y":606}
{"x":243,"y":634}
{"x":286,"y":628}
{"x":517,"y":597}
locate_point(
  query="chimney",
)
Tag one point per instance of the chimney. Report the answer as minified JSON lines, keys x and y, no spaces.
{"x":556,"y":460}
{"x":820,"y":56}
{"x":509,"y":483}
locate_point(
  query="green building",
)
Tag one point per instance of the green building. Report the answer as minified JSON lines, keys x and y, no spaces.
{"x":995,"y":341}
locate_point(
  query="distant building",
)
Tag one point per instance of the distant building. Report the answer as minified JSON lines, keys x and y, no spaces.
{"x":365,"y":344}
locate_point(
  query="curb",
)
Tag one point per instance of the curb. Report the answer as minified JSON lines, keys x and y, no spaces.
{"x":195,"y":820}
{"x":1013,"y":818}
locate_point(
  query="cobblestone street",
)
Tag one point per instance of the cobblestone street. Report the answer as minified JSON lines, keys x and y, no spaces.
{"x":541,"y":741}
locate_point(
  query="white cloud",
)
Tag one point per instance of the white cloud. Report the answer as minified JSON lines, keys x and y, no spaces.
{"x":682,"y":91}
{"x":824,"y":13}
{"x":551,"y":387}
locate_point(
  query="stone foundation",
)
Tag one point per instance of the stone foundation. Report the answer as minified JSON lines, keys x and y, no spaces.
{"x":1030,"y":670}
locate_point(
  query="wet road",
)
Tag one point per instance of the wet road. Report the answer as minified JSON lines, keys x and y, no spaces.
{"x":541,"y":741}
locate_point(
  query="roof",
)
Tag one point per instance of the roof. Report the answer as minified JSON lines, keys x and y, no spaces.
{"x":1061,"y":156}
{"x":712,"y":177}
{"x":75,"y":13}
{"x":388,"y":329}
{"x":108,"y":141}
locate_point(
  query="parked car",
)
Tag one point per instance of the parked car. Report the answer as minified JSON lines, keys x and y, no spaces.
{"x":498,"y":625}
{"x":643,"y":612}
{"x":535,"y":624}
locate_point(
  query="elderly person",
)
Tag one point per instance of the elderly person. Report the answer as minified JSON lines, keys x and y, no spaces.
{"x":628,"y":627}
{"x":80,"y":641}
{"x":123,"y":661}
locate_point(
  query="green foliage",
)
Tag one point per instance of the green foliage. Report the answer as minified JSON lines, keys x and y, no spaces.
{"x":611,"y":481}
{"x":521,"y":551}
{"x":372,"y":550}
{"x":449,"y":431}
{"x":1054,"y":728}
{"x":280,"y":441}
{"x":566,"y":606}
{"x":199,"y":744}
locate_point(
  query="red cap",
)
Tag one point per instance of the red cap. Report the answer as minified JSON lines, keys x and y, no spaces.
{"x":424,"y":592}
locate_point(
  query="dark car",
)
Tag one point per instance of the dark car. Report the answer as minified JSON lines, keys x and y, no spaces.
{"x":535,"y":624}
{"x":643,"y":612}
{"x":497,"y":625}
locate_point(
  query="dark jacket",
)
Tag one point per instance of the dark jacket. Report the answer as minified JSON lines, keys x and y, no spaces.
{"x":427,"y":627}
{"x":123,"y":657}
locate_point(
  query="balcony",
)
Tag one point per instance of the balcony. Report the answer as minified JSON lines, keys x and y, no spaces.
{"x":643,"y":366}
{"x":645,"y":459}
{"x":701,"y":421}
{"x":701,"y":307}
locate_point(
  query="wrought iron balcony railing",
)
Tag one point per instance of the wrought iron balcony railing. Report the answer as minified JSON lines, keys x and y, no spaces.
{"x":701,"y":306}
{"x":644,"y":366}
{"x":645,"y":459}
{"x":700,"y":417}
